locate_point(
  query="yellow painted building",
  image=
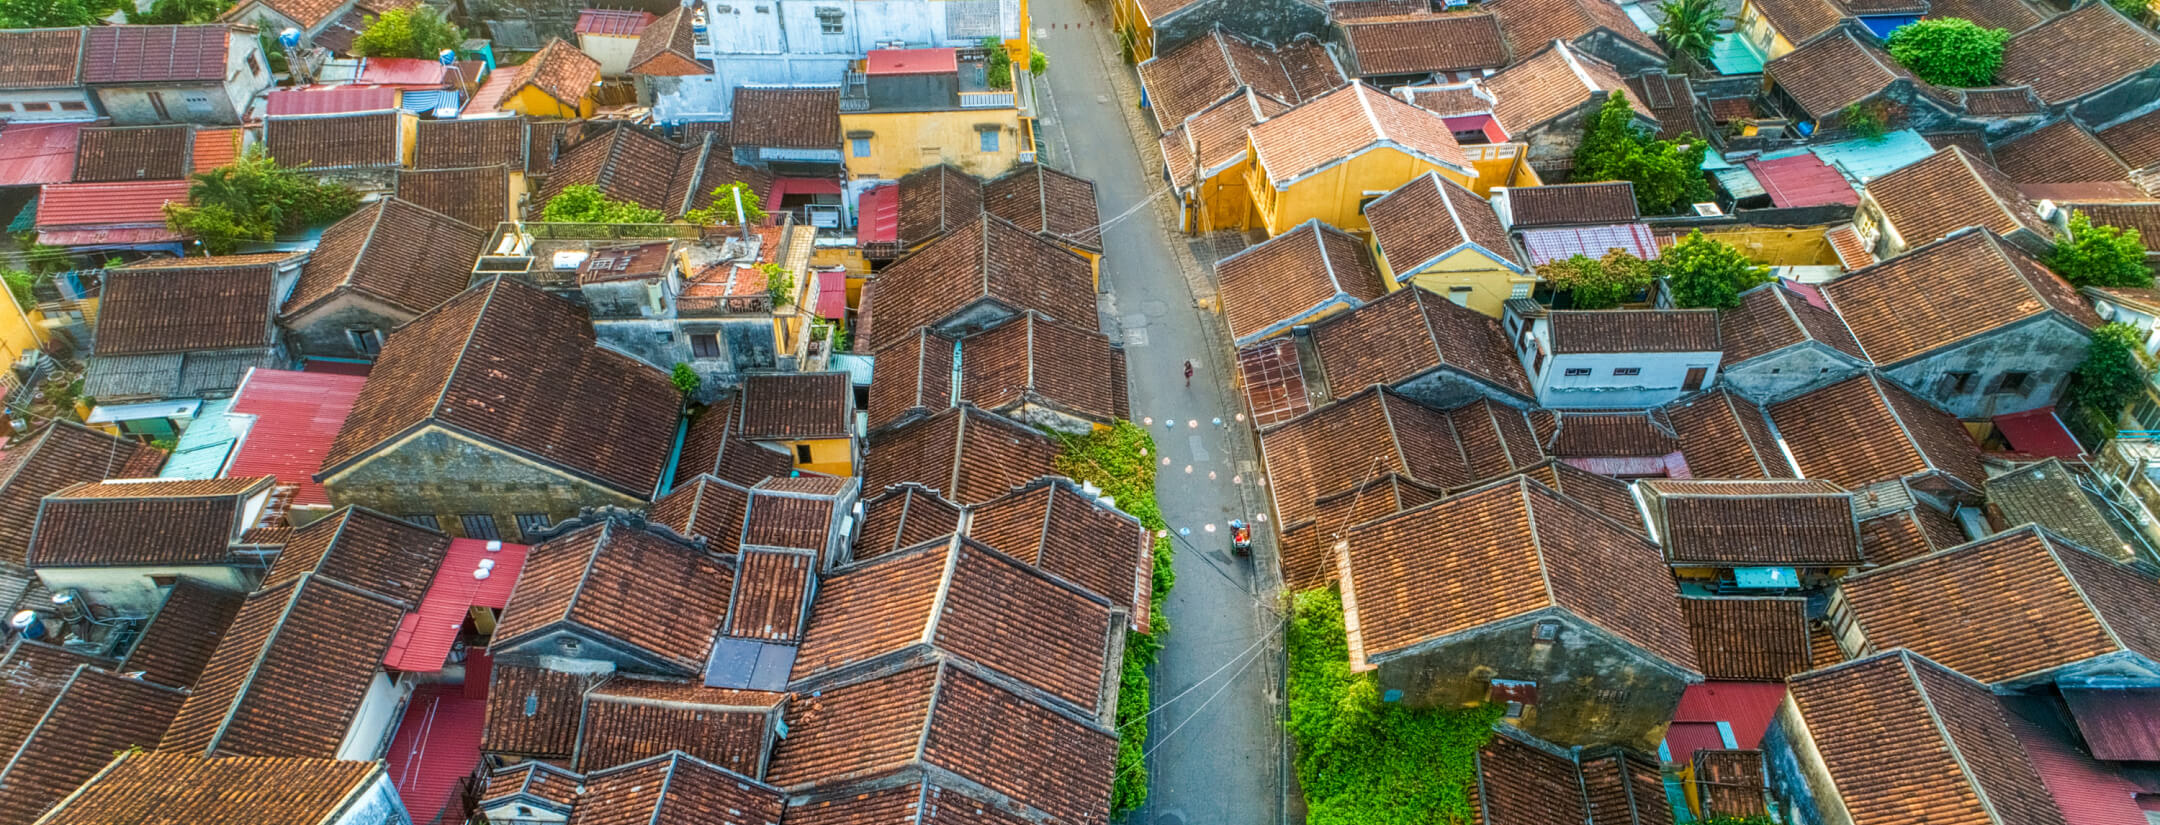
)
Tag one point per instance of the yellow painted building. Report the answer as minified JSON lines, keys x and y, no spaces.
{"x":902,"y":110}
{"x":557,"y":82}
{"x":1331,"y":155}
{"x":1135,"y":33}
{"x":1779,"y":28}
{"x":1440,"y":235}
{"x":831,"y":456}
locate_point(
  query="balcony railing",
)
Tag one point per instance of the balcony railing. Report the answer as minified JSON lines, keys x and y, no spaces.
{"x":711,"y":305}
{"x":986,"y":100}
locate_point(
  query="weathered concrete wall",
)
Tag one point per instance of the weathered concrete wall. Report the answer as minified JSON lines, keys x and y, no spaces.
{"x":1623,"y":53}
{"x":2045,"y":348}
{"x":322,"y":332}
{"x":1591,"y":690}
{"x":129,"y":592}
{"x":447,"y":476}
{"x":1776,"y":376}
{"x":971,"y":319}
{"x":1447,"y":389}
{"x":591,"y":654}
{"x":1794,"y":772}
{"x":2122,"y":98}
{"x":1275,"y":21}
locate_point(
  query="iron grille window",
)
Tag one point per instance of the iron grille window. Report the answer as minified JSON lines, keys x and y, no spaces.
{"x":531,"y":523}
{"x":479,"y":526}
{"x":426,"y":520}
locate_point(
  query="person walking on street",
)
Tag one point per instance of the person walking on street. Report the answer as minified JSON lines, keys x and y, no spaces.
{"x":1188,"y":373}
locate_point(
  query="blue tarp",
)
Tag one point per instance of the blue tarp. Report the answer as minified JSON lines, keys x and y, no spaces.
{"x":1883,"y":25}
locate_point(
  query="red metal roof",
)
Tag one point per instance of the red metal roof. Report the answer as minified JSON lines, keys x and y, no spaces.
{"x":91,"y":205}
{"x":2118,"y":723}
{"x":337,"y":367}
{"x":331,"y":100}
{"x":879,"y":215}
{"x":106,"y":237}
{"x":612,"y":21}
{"x":913,"y":61}
{"x":404,"y":72}
{"x":2039,"y":432}
{"x":34,"y":154}
{"x":832,"y":294}
{"x":1548,"y":245}
{"x":1802,"y":180}
{"x":1493,"y":131}
{"x":783,"y":187}
{"x":426,"y":635}
{"x":295,"y":416}
{"x":489,"y":97}
{"x":437,"y":744}
{"x":1748,"y":707}
{"x":2087,"y":792}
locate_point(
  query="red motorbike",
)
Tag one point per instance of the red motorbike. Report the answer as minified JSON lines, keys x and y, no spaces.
{"x":1240,"y":538}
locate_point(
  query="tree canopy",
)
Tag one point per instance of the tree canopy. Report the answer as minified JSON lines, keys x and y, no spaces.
{"x":1667,"y":174}
{"x":722,"y":210}
{"x":35,"y":14}
{"x":420,"y":31}
{"x":2101,"y":255}
{"x":1690,"y":26}
{"x":1701,"y":271}
{"x":584,"y":203}
{"x":178,"y":12}
{"x":2113,"y":371}
{"x":1600,"y":283}
{"x":253,"y":199}
{"x":1949,"y":51}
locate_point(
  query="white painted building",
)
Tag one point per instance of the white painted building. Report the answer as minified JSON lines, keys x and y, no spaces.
{"x":1614,"y":359}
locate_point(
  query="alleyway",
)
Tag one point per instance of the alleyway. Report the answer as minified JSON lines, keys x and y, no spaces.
{"x":1216,"y":746}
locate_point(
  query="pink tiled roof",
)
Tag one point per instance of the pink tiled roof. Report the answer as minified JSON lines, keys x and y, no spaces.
{"x":1548,"y":245}
{"x":32,"y":154}
{"x":406,"y":71}
{"x":296,"y":417}
{"x":331,"y":100}
{"x":613,"y":22}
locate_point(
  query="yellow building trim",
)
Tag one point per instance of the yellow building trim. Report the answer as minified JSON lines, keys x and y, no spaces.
{"x":898,"y":143}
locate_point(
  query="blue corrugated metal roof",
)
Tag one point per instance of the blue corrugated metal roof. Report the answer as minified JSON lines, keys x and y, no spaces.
{"x":1865,"y":160}
{"x":204,"y":446}
{"x":1734,"y":55}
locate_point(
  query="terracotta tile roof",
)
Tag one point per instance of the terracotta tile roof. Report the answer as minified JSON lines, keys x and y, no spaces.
{"x":1450,"y":98}
{"x":156,"y":54}
{"x":1529,"y":549}
{"x":1496,"y":439}
{"x":1432,"y":216}
{"x":912,"y":377}
{"x":1043,"y":200}
{"x":1898,"y":311}
{"x":1722,"y":435}
{"x":1530,"y":24}
{"x":1895,"y":537}
{"x":1312,"y":67}
{"x":596,"y":578}
{"x":41,"y":58}
{"x":676,"y":789}
{"x":772,"y":587}
{"x":904,"y":516}
{"x":2060,"y":152}
{"x":542,"y":782}
{"x":1214,"y":139}
{"x":783,"y":516}
{"x":1438,"y":43}
{"x":1308,"y":547}
{"x":463,"y":142}
{"x":134,"y":153}
{"x":1571,"y":204}
{"x":1799,"y":21}
{"x":964,"y":454}
{"x":668,"y":47}
{"x":393,"y":250}
{"x":1034,"y":361}
{"x":935,"y":200}
{"x":788,"y":118}
{"x":36,"y":674}
{"x":1863,"y":430}
{"x":2011,"y":15}
{"x":632,"y":163}
{"x":533,"y":711}
{"x":872,"y":610}
{"x":2008,"y":101}
{"x":1282,"y":281}
{"x":1634,"y":330}
{"x":136,"y":523}
{"x":1759,"y":640}
{"x":1752,"y":522}
{"x":715,"y":445}
{"x":1948,"y":191}
{"x":213,"y":303}
{"x":2051,"y":495}
{"x":705,"y":507}
{"x":900,"y":804}
{"x":470,"y":364}
{"x":1053,"y":525}
{"x":291,"y":673}
{"x":2007,"y":607}
{"x":95,"y":715}
{"x":627,"y":719}
{"x":334,"y":141}
{"x":1191,"y":77}
{"x":946,"y":718}
{"x":151,"y":787}
{"x":1772,"y":317}
{"x":1905,"y":739}
{"x":1671,"y":99}
{"x":1063,"y":649}
{"x":1625,"y":787}
{"x":2136,"y":140}
{"x":365,"y":550}
{"x":1553,"y":81}
{"x":1522,"y":781}
{"x":1831,"y":73}
{"x":1346,"y":122}
{"x":1589,"y":434}
{"x":1356,"y":440}
{"x":1366,"y":346}
{"x":182,"y":635}
{"x":985,"y":259}
{"x":2078,"y":53}
{"x":559,"y":71}
{"x":797,"y":406}
{"x":58,"y":456}
{"x":478,"y":195}
{"x":1609,"y":496}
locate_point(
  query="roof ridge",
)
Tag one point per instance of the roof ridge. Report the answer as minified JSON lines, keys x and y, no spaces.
{"x":1358,"y":88}
{"x":261,"y":654}
{"x":1891,"y":407}
{"x":2077,"y":587}
{"x":435,"y":409}
{"x":1950,"y":746}
{"x":930,"y":708}
{"x":1753,"y":448}
{"x":1537,"y":545}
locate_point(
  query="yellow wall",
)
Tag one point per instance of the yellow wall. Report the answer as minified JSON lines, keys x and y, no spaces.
{"x":532,"y":102}
{"x":902,"y":142}
{"x":1756,"y":28}
{"x":831,"y":456}
{"x":1491,"y":283}
{"x":1333,"y":194}
{"x":19,"y":333}
{"x":1500,"y":164}
{"x":408,"y":137}
{"x":1779,"y":246}
{"x":1125,"y":16}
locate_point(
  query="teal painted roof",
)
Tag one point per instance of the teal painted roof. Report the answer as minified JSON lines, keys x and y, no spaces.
{"x":1865,"y":160}
{"x":1733,"y":55}
{"x":203,"y":447}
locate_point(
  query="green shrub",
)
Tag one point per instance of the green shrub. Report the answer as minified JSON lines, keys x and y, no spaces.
{"x":1361,"y":760}
{"x":254,"y":199}
{"x":2101,"y":255}
{"x":685,"y":379}
{"x":1667,"y":174}
{"x":1949,"y":51}
{"x":1603,"y":283}
{"x":419,"y":32}
{"x":722,"y":211}
{"x":584,"y":203}
{"x":1704,"y":272}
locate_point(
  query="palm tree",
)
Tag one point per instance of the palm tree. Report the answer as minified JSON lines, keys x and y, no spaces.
{"x":1691,"y":26}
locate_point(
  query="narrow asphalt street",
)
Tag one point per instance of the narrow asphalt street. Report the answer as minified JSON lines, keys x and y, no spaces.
{"x":1216,"y":752}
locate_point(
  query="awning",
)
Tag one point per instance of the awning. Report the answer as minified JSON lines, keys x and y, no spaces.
{"x":783,"y":187}
{"x":114,"y":413}
{"x":2039,"y":432}
{"x":832,"y":294}
{"x":879,"y":211}
{"x":426,"y":635}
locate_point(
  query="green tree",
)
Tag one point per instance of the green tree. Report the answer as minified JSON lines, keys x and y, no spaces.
{"x":420,"y":31}
{"x":1949,"y":51}
{"x":33,"y":14}
{"x":1705,"y":272}
{"x":1600,"y":283}
{"x":177,"y":12}
{"x":18,"y":284}
{"x":1667,"y":174}
{"x":779,"y":285}
{"x":998,"y":66}
{"x":2136,"y":10}
{"x":583,"y":203}
{"x":685,"y":379}
{"x":2113,"y":371}
{"x":1865,"y":122}
{"x":255,"y":199}
{"x":2101,"y":255}
{"x":722,"y":210}
{"x":1690,"y":26}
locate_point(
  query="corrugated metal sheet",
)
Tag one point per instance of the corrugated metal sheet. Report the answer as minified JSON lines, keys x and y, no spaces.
{"x":426,"y":635}
{"x":130,"y":204}
{"x":437,"y":744}
{"x":613,"y":22}
{"x":1548,"y":245}
{"x":331,"y":100}
{"x":2040,"y":432}
{"x":293,"y":418}
{"x":880,"y":215}
{"x":1803,"y":180}
{"x":203,"y":447}
{"x":2087,"y":792}
{"x":2118,"y":723}
{"x":34,"y":154}
{"x":1748,"y":707}
{"x":403,"y":71}
{"x":832,"y":294}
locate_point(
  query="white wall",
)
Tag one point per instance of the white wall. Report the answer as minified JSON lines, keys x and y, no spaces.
{"x":1659,"y":380}
{"x":376,"y":720}
{"x":15,"y":106}
{"x":129,"y":592}
{"x":793,"y":26}
{"x":377,"y":804}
